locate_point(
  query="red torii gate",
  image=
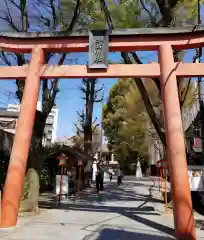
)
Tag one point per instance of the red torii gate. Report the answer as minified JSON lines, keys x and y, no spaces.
{"x":161,"y":40}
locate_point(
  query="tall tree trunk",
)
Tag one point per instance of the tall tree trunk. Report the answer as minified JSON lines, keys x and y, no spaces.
{"x":88,"y":140}
{"x":88,"y":116}
{"x":167,"y":11}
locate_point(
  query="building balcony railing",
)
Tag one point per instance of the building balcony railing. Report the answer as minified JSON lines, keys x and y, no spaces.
{"x":49,"y":136}
{"x":49,"y":121}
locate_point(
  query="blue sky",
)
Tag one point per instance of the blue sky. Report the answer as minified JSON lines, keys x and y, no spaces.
{"x":69,"y":98}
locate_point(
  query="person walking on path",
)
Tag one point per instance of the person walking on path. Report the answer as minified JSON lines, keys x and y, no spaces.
{"x":101,"y":168}
{"x":98,"y":180}
{"x":111,"y":176}
{"x":119,"y":176}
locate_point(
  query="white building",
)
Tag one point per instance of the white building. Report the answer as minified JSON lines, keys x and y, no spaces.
{"x":50,"y":131}
{"x":8,"y":120}
{"x":66,"y":141}
{"x":156,"y":150}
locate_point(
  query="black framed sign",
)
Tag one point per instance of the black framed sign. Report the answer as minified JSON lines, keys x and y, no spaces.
{"x":98,"y":49}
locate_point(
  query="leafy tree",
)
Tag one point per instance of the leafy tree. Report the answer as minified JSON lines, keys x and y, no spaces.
{"x":86,"y":125}
{"x":126,"y":123}
{"x":94,"y":14}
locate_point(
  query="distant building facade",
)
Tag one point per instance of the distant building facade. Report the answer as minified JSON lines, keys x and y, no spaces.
{"x":8,"y":120}
{"x":50,"y":131}
{"x":78,"y":140}
{"x":192,"y":126}
{"x":10,"y":115}
{"x":66,"y":141}
{"x":156,"y":149}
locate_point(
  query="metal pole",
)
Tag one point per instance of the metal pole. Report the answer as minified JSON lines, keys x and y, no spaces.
{"x":165,"y":192}
{"x":60,"y":192}
{"x":79,"y":179}
{"x":101,"y":132}
{"x":160,"y":183}
{"x":199,"y":54}
{"x":21,"y":144}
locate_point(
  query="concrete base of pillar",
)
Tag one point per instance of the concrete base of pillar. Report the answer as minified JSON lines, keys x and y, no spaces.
{"x":9,"y":229}
{"x":106,"y":177}
{"x":138,"y":173}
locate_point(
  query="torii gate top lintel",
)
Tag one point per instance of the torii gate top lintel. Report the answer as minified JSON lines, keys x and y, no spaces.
{"x":119,"y":40}
{"x":127,"y":40}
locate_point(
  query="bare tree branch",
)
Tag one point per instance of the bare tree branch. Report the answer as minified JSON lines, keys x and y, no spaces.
{"x":152,"y":19}
{"x":5,"y":59}
{"x":144,"y":95}
{"x":156,"y":80}
{"x":54,"y":16}
{"x":104,"y":8}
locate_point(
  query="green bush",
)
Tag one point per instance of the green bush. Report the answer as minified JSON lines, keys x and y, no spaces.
{"x":26,"y":186}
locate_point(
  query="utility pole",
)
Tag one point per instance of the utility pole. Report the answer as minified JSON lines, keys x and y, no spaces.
{"x":101,"y":132}
{"x":198,"y":60}
{"x":199,"y":54}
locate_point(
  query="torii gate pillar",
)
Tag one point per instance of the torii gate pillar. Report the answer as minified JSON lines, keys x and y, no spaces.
{"x":182,"y":204}
{"x":19,"y":155}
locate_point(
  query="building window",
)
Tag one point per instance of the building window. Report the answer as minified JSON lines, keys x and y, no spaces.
{"x":49,"y":134}
{"x":8,"y":124}
{"x":191,"y":140}
{"x":197,"y":131}
{"x":48,"y":142}
{"x":48,"y":129}
{"x":188,"y":144}
{"x":49,"y":120}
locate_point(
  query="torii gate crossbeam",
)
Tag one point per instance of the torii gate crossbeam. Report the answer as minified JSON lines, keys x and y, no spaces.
{"x":161,"y":40}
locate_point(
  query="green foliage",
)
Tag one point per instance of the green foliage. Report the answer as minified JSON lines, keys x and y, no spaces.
{"x":23,"y":5}
{"x":186,"y":11}
{"x":44,"y":176}
{"x":125,"y":14}
{"x":126,"y":123}
{"x":113,"y":116}
{"x":26,"y":187}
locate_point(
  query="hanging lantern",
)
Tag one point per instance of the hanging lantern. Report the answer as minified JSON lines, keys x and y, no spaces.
{"x":80,"y":162}
{"x":62,"y":159}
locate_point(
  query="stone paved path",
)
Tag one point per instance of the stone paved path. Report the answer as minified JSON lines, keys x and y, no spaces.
{"x":121,"y":213}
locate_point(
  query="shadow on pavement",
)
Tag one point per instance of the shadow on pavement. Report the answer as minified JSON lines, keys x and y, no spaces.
{"x":119,"y":234}
{"x":112,"y":193}
{"x":131,"y":213}
{"x":89,"y":201}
